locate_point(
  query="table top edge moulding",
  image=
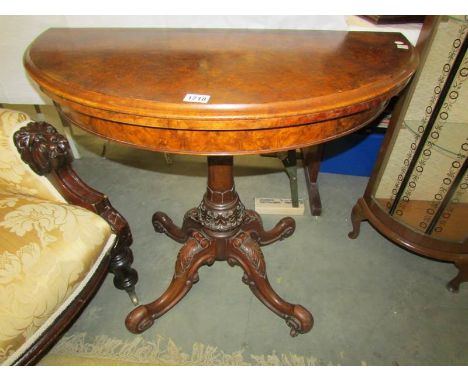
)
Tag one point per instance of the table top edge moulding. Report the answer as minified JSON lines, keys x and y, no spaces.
{"x":257,"y":80}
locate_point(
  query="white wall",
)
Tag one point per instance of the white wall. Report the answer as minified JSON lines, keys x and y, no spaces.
{"x":17,"y":32}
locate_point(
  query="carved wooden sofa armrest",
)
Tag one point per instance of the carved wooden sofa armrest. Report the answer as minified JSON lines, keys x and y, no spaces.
{"x":51,"y":248}
{"x":48,"y":153}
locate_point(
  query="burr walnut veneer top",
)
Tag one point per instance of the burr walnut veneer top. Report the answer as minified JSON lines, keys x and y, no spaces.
{"x":110,"y":81}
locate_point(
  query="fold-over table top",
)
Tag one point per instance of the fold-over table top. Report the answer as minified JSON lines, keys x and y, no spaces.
{"x":253,"y":78}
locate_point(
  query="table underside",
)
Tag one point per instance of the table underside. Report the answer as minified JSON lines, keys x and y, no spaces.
{"x":222,"y":142}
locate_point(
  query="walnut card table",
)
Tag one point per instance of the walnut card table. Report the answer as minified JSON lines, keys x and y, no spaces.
{"x":220,"y":93}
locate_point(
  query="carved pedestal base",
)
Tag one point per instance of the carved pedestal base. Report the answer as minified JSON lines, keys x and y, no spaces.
{"x":221,"y":229}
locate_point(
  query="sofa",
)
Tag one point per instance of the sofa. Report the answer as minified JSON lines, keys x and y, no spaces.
{"x":58,"y":240}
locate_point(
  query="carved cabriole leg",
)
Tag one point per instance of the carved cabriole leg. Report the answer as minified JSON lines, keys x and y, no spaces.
{"x":462,"y":276}
{"x":357,"y":216}
{"x":245,"y":252}
{"x":197,"y":251}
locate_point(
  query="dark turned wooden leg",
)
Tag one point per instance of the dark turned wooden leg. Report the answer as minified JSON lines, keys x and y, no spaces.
{"x":462,"y":276}
{"x":125,"y":277}
{"x":311,"y":161}
{"x":245,"y":252}
{"x":220,"y":229}
{"x":197,"y":251}
{"x":254,"y":226}
{"x":357,"y":216}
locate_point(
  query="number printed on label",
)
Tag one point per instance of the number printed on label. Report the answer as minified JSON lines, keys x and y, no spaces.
{"x":200,"y":98}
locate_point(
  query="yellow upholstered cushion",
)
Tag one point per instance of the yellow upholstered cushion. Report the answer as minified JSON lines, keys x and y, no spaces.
{"x":46,"y":250}
{"x":15,"y":175}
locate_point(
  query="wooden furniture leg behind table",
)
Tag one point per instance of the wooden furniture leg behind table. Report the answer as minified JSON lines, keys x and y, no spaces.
{"x":311,"y":157}
{"x":221,"y":229}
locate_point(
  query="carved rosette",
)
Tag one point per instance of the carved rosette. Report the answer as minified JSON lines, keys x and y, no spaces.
{"x":249,"y":247}
{"x":221,"y":220}
{"x":42,"y":147}
{"x":195,"y":244}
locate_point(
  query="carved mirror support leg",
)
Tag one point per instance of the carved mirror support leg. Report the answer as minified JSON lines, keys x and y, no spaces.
{"x":245,"y":252}
{"x":197,"y":251}
{"x":254,"y":225}
{"x":357,"y":216}
{"x":462,"y":276}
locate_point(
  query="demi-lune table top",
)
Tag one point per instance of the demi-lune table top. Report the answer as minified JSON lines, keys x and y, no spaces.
{"x":219,"y":91}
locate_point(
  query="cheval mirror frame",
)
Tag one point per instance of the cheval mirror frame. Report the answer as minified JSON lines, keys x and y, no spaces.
{"x":440,"y":229}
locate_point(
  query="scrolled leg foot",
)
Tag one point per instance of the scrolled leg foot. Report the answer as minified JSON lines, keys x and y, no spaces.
{"x":301,"y":321}
{"x":163,"y":224}
{"x":254,"y":225}
{"x":139,"y":320}
{"x":357,"y":216}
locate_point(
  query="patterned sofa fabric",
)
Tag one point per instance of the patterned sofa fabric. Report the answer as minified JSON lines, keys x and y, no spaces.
{"x":48,"y":248}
